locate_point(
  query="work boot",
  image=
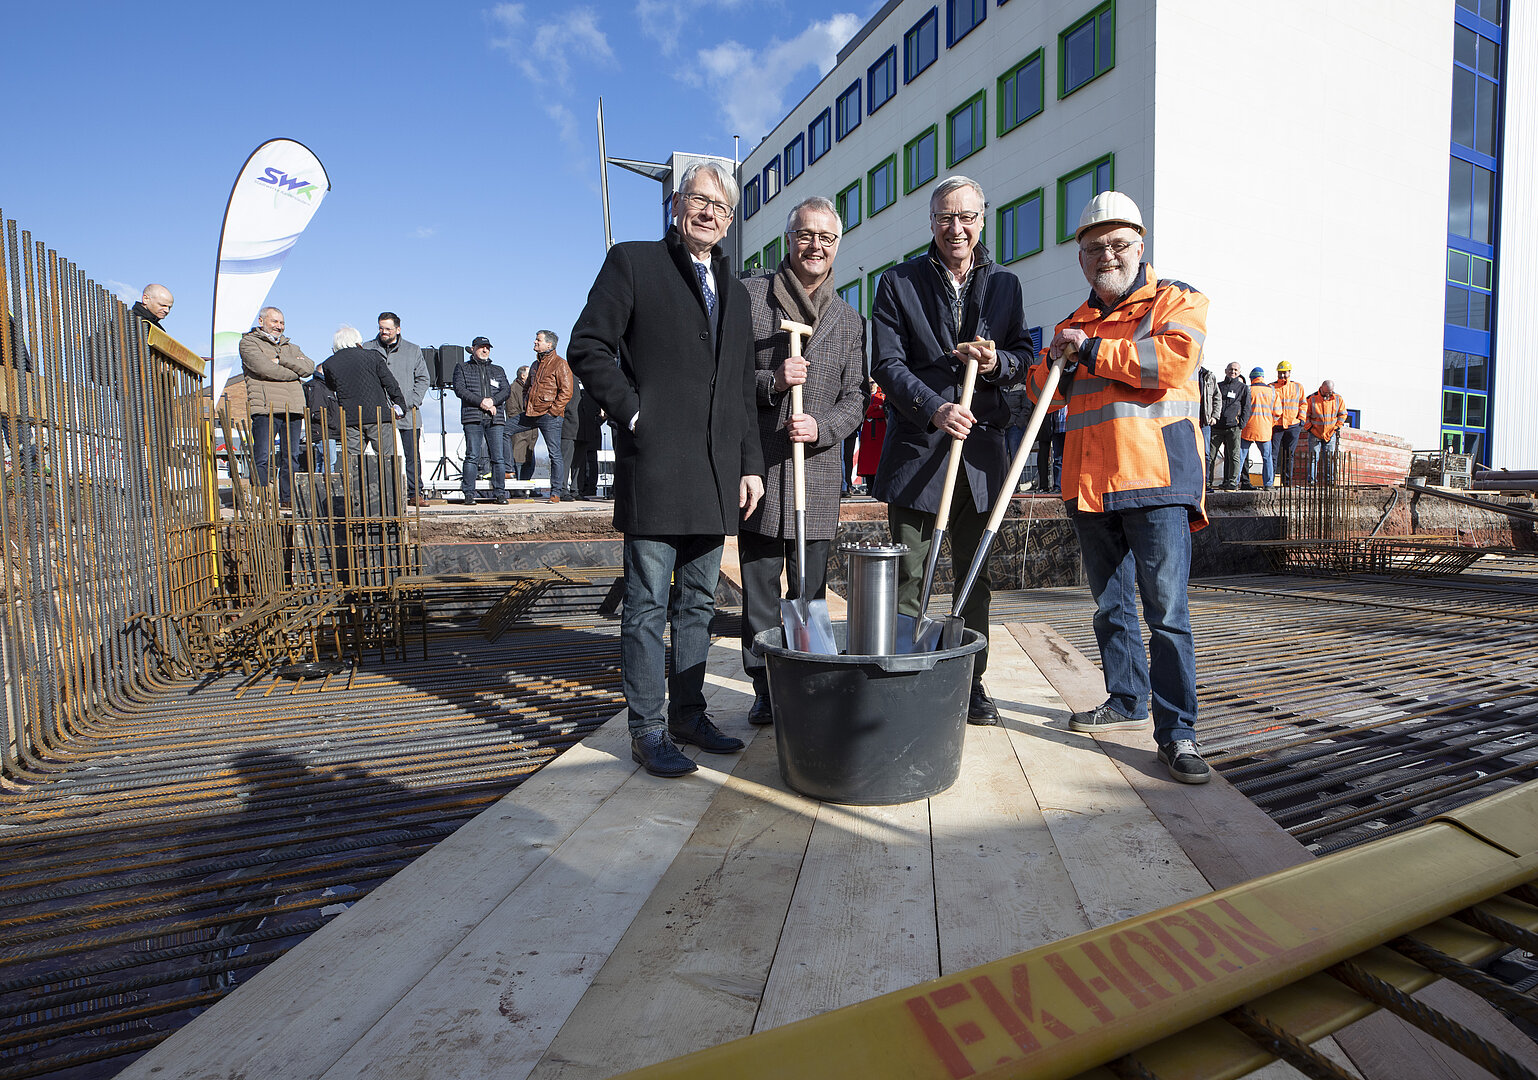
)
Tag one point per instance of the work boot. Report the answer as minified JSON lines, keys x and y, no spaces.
{"x":700,"y":731}
{"x":981,"y":711}
{"x":1185,"y":762}
{"x":762,"y":711}
{"x":1104,"y":718}
{"x":655,"y":752}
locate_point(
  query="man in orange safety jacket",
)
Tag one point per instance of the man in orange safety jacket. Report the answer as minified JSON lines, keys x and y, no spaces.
{"x":1289,"y":425}
{"x":1323,"y":417}
{"x":1134,"y":475}
{"x":1265,"y":409}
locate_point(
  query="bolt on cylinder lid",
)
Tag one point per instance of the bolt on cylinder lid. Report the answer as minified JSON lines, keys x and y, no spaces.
{"x":873,"y":549}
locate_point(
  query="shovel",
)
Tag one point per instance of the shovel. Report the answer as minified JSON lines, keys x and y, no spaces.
{"x":807,"y":625}
{"x":926,"y":631}
{"x":950,"y":637}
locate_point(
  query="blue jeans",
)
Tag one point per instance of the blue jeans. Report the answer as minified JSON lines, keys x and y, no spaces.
{"x":668,"y":580}
{"x":264,"y":433}
{"x":550,"y":428}
{"x":1316,"y":446}
{"x":482,"y":437}
{"x":1284,"y":446}
{"x":1153,"y":547}
{"x":1267,"y":465}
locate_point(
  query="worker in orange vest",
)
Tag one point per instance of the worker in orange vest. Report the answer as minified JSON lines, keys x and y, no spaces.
{"x":1284,"y":439}
{"x":1324,"y":416}
{"x":1134,"y":475}
{"x":1265,"y":409}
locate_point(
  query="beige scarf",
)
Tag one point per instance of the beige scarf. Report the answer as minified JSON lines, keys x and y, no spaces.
{"x":793,"y":298}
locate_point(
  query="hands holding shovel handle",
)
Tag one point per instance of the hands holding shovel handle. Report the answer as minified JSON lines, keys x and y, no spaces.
{"x":807,"y":624}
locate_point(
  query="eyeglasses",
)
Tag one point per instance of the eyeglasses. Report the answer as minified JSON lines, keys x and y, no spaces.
{"x":966,"y":217}
{"x":1115,"y":247}
{"x":699,"y":202}
{"x":807,"y":237}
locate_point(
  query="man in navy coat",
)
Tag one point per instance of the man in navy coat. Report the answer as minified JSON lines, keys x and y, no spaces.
{"x":665,"y":346}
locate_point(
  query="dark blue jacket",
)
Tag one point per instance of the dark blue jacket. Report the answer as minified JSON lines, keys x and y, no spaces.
{"x":473,"y":381}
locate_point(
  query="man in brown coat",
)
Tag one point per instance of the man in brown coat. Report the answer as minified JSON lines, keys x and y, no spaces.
{"x":544,"y":405}
{"x":831,"y":373}
{"x":275,"y":370}
{"x":518,"y":452}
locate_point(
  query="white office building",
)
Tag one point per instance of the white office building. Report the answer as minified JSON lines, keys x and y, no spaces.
{"x":1335,"y":177}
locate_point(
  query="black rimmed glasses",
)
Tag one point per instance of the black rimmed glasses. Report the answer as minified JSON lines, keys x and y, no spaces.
{"x":807,"y":237}
{"x":966,"y":217}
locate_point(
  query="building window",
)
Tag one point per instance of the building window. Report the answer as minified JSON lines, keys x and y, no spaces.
{"x":962,"y":17}
{"x":753,"y":262}
{"x":1020,"y":227}
{"x":966,"y":128}
{"x":882,"y":188}
{"x":1077,"y":188}
{"x":1470,"y":196}
{"x":795,"y":158}
{"x":1489,"y":10}
{"x":916,"y":252}
{"x":850,"y":294}
{"x":772,"y":254}
{"x":819,"y":137}
{"x":873,"y":278}
{"x":1476,"y":67}
{"x":847,"y":202}
{"x":771,"y":179}
{"x":881,"y":81}
{"x":920,"y":159}
{"x":921,"y":45}
{"x":1087,"y":49}
{"x":1020,"y":92}
{"x":848,"y":110}
{"x":750,"y":198}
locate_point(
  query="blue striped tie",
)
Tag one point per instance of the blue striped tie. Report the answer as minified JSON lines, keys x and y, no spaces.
{"x":710,"y":297}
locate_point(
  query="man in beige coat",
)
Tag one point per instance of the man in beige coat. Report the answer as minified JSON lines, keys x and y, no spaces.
{"x":275,"y":370}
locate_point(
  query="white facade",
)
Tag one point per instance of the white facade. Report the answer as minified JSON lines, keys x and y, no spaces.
{"x":1514,"y":434}
{"x":1297,"y":177}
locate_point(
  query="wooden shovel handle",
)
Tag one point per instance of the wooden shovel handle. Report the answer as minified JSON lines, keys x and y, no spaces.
{"x":953,"y":465}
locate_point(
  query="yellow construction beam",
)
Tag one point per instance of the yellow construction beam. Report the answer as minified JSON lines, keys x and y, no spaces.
{"x":1062,"y":1009}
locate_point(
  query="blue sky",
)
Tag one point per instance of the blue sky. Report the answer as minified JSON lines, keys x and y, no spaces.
{"x":459,"y":138}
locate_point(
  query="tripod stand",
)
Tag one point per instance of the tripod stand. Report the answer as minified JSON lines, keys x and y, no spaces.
{"x":447,"y":468}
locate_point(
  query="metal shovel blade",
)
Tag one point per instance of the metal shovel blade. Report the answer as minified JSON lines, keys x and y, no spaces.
{"x":808,"y":627}
{"x":917,"y":635}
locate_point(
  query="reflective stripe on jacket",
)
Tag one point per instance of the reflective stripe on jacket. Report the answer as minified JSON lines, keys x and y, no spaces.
{"x":1134,"y":405}
{"x":1292,"y":404}
{"x":1265,"y":414}
{"x":1325,"y":415}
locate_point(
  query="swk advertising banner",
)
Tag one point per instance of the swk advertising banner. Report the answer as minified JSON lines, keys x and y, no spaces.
{"x":274,"y":198}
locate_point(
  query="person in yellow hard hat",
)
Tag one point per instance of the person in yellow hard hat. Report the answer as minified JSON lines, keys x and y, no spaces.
{"x":1291,"y":398}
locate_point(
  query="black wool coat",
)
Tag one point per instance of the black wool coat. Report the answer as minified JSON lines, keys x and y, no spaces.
{"x":363,"y":385}
{"x":643,"y":345}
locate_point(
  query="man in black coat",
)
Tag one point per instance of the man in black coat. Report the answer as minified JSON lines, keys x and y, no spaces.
{"x":365,"y":391}
{"x":930,"y":315}
{"x":153,"y":305}
{"x":482,"y":387}
{"x":589,"y":437}
{"x":665,"y":346}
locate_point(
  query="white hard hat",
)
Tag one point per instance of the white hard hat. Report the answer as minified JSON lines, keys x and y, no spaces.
{"x":1109,"y":208}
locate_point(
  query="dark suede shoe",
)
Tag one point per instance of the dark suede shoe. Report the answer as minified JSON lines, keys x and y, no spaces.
{"x":656,"y":753}
{"x":981,"y":710}
{"x":761,"y":712}
{"x":702,"y":733}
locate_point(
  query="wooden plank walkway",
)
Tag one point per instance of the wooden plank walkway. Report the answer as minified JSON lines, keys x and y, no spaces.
{"x":599,"y":919}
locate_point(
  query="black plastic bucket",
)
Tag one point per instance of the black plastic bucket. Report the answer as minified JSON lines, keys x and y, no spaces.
{"x":869,"y":730}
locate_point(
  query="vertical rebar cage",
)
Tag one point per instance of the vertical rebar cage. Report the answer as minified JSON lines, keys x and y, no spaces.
{"x":106,"y":513}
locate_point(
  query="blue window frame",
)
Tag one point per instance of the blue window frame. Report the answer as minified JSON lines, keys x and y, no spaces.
{"x":795,"y":158}
{"x":1076,"y":188}
{"x":962,"y":17}
{"x":847,"y":110}
{"x":1020,"y":227}
{"x":772,"y":178}
{"x":1087,"y":49}
{"x":921,"y":45}
{"x":966,"y":128}
{"x":819,"y":137}
{"x":881,"y":81}
{"x":1020,"y":92}
{"x":750,"y":198}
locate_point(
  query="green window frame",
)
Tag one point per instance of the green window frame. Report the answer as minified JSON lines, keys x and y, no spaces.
{"x":1087,"y":49}
{"x":753,"y":262}
{"x":921,"y":159}
{"x":915,"y":253}
{"x":970,"y":120}
{"x":881,"y":190}
{"x":772,"y":254}
{"x":850,"y":294}
{"x":1078,"y":187}
{"x":1022,"y":89}
{"x":1022,"y":226}
{"x":847,"y":203}
{"x":873,"y":277}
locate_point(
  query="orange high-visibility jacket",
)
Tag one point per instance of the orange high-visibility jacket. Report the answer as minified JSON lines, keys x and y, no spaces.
{"x":1325,"y":415}
{"x":1265,"y":412}
{"x":1135,"y":402}
{"x":1293,"y":401}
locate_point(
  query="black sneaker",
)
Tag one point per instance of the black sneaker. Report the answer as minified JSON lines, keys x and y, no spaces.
{"x":1185,"y":762}
{"x":1104,"y":718}
{"x":702,"y":732}
{"x":657,"y":754}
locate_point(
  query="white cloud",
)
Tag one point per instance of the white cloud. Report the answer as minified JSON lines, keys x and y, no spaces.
{"x":750,"y":86}
{"x":424,"y":232}
{"x":544,"y":52}
{"x":124,"y":292}
{"x":663,"y":20}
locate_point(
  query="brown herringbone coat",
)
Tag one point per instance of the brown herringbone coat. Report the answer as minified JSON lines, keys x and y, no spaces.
{"x":834,"y":393}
